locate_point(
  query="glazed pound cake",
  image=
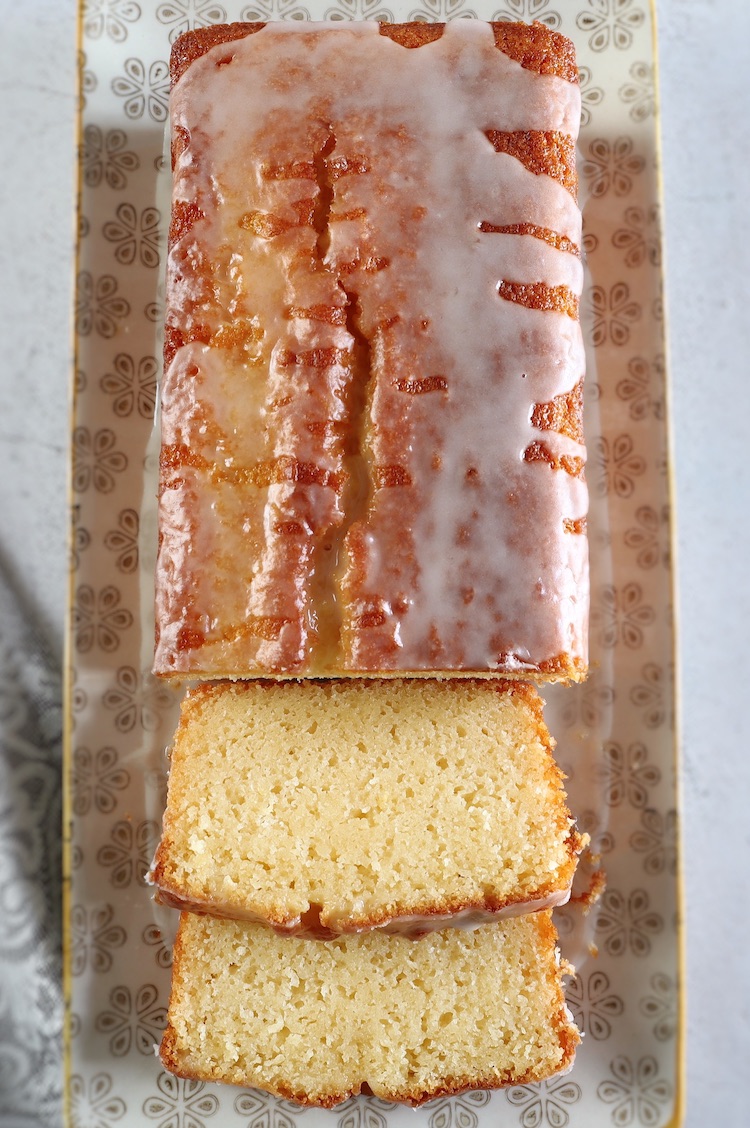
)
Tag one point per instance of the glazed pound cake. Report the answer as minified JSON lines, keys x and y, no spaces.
{"x":319,"y":1022}
{"x":329,"y":807}
{"x":372,"y":453}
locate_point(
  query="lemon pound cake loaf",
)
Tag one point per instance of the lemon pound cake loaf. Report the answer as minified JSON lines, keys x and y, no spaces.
{"x":372,"y":453}
{"x":329,"y":807}
{"x":319,"y":1022}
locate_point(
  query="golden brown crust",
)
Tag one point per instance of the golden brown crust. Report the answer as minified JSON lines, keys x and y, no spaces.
{"x":537,"y":48}
{"x":450,"y":1087}
{"x":552,"y":238}
{"x":542,"y":151}
{"x":540,"y":452}
{"x":538,"y":295}
{"x":412,"y":34}
{"x":519,"y":689}
{"x":563,"y":414}
{"x":193,"y":44}
{"x":524,"y":691}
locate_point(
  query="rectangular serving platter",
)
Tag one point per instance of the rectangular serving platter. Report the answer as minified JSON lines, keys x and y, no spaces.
{"x":615,"y":734}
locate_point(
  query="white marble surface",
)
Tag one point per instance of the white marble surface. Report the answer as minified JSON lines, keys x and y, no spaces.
{"x":705,"y":57}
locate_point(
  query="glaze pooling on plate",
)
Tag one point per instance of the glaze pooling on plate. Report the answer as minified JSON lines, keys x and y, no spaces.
{"x":372,"y":454}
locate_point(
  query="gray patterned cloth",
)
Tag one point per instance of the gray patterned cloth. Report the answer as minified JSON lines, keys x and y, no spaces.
{"x":31,"y":1006}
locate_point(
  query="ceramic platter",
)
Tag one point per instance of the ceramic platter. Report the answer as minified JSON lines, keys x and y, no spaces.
{"x":615,"y":734}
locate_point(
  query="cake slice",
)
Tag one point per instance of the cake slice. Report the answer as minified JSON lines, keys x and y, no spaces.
{"x":319,"y":1022}
{"x":372,"y":453}
{"x":337,"y":806}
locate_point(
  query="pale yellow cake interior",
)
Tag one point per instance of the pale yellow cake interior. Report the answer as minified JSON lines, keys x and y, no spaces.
{"x":318,"y":1020}
{"x":357,"y":802}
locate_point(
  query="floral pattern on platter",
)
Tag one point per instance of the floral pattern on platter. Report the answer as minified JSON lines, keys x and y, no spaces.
{"x":657,"y":841}
{"x":133,"y":1020}
{"x":621,"y":616}
{"x":458,"y":1112}
{"x":138,"y":700}
{"x":132,"y":385}
{"x":647,"y":536}
{"x":640,"y":92}
{"x":358,"y":10}
{"x":80,"y":538}
{"x":98,"y":305}
{"x":105,"y":159}
{"x":639,"y":238}
{"x":627,"y":924}
{"x":594,"y":1004}
{"x":94,"y":936}
{"x":154,"y":938}
{"x":274,"y":1113}
{"x":627,"y":775}
{"x":98,"y":620}
{"x":291,"y":10}
{"x":548,"y":1102}
{"x":129,"y":852}
{"x":123,"y":541}
{"x":95,"y":460}
{"x":660,"y":1007}
{"x":109,"y":17}
{"x":611,"y":23}
{"x":611,"y":167}
{"x":96,"y":779}
{"x":120,"y":950}
{"x":591,"y":97}
{"x":618,"y":464}
{"x":636,"y":1091}
{"x":144,"y":89}
{"x":613,"y":313}
{"x":93,"y":1102}
{"x":529,"y":11}
{"x":185,"y":15}
{"x":135,"y":237}
{"x":643,"y":388}
{"x":180,"y":1102}
{"x":650,"y":694}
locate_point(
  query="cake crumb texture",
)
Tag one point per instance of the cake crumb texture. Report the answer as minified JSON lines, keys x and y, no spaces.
{"x":316,"y":1022}
{"x":335,"y":806}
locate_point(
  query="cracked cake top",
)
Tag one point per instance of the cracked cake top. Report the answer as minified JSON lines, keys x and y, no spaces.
{"x":372,"y":455}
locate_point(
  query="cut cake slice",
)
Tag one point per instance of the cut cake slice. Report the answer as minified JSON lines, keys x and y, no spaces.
{"x":318,"y":1022}
{"x":338,"y":806}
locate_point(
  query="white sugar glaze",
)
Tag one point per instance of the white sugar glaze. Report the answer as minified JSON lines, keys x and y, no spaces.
{"x":478,"y":575}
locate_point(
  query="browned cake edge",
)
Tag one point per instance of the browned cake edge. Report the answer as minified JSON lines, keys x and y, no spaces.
{"x":414,"y":921}
{"x":429,"y":913}
{"x":535,"y":46}
{"x":562,"y":668}
{"x":175,"y":1060}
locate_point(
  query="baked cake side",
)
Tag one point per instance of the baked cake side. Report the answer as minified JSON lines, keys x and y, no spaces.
{"x":316,"y":1023}
{"x":372,"y":455}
